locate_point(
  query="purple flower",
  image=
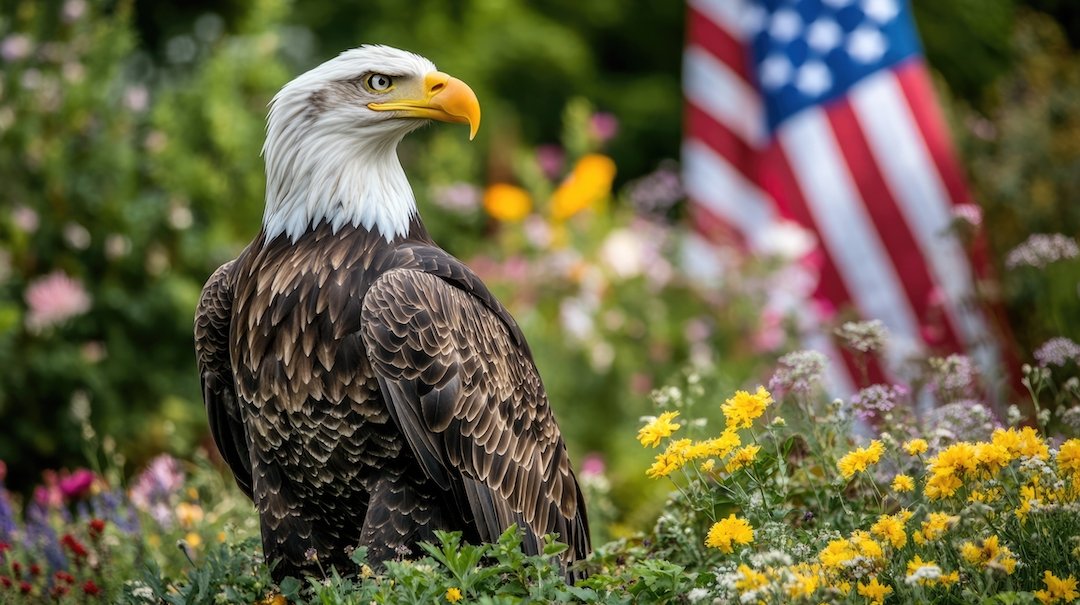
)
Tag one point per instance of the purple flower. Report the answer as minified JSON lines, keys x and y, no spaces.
{"x":76,"y":484}
{"x":1042,"y":249}
{"x":1057,"y":352}
{"x":457,"y":197}
{"x":154,"y":489}
{"x":551,"y":159}
{"x":603,"y":126}
{"x":953,"y":378}
{"x":799,"y":372}
{"x":656,"y":192}
{"x":15,"y":47}
{"x":877,"y":400}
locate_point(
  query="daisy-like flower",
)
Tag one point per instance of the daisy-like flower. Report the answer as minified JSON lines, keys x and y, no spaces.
{"x":860,"y":459}
{"x":1057,"y":590}
{"x":743,"y":408}
{"x":916,"y":447}
{"x":874,"y":591}
{"x":922,"y":572}
{"x":670,"y":460}
{"x":1068,"y":458}
{"x":726,"y":532}
{"x":891,"y":528}
{"x":903,"y":483}
{"x":935,"y":526}
{"x":659,"y":428}
{"x":742,"y":457}
{"x":453,"y":594}
{"x":989,"y":554}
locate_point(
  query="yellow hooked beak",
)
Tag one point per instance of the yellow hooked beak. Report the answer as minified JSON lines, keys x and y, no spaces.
{"x":443,"y":98}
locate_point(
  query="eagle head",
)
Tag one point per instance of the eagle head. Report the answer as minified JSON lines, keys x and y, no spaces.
{"x":332,"y":136}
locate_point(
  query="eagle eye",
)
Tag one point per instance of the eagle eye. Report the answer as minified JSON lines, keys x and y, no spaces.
{"x":379,"y":82}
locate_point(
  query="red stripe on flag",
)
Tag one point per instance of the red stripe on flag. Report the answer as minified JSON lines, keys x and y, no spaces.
{"x":892,"y":228}
{"x":778,"y":180}
{"x":707,"y":129}
{"x":709,"y":35}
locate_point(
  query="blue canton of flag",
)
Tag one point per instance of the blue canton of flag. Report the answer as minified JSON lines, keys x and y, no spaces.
{"x":811,"y":52}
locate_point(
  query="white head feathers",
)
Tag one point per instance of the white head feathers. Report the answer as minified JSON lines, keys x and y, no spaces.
{"x":331,"y":158}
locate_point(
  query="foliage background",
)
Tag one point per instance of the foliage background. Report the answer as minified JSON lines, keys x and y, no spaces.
{"x":131,"y":130}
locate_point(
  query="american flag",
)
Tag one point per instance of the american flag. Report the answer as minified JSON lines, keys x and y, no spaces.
{"x":821,"y":112}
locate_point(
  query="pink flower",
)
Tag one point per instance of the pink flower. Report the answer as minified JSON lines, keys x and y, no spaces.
{"x":54,"y":299}
{"x":551,"y":159}
{"x":592,"y":465}
{"x":76,"y":484}
{"x":25,"y":219}
{"x":15,"y":47}
{"x":968,"y":213}
{"x":604,"y":126}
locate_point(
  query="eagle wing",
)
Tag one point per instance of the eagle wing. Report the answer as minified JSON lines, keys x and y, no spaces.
{"x":461,"y":385}
{"x":212,"y":318}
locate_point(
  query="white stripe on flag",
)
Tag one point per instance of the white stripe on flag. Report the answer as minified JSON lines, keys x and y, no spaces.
{"x":714,"y":183}
{"x":847,"y":230}
{"x":913,"y":178}
{"x":728,"y":14}
{"x":721,"y":93}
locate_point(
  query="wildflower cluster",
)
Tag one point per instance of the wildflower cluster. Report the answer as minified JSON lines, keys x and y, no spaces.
{"x":796,"y":510}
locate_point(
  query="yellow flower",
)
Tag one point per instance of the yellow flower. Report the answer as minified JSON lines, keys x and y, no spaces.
{"x":858,"y":460}
{"x":453,"y":594}
{"x":903,"y":483}
{"x":193,"y":539}
{"x":1057,"y":590}
{"x":750,"y":579}
{"x":934,"y":527}
{"x":916,"y":447}
{"x":587,"y":184}
{"x":188,"y":514}
{"x":874,"y":591}
{"x":743,"y":408}
{"x":742,"y":457}
{"x":989,"y":554}
{"x":651,"y":434}
{"x":1068,"y":458}
{"x":670,"y":460}
{"x":507,"y":203}
{"x":727,"y":531}
{"x":940,"y":486}
{"x":707,"y":466}
{"x":891,"y":529}
{"x":719,"y":446}
{"x":840,"y":551}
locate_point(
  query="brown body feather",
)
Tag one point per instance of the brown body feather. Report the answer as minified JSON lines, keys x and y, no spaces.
{"x":369,"y":393}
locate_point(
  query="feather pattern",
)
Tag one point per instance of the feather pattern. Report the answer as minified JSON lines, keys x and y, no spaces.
{"x":369,"y":393}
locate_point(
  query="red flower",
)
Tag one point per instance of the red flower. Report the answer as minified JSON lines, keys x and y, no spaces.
{"x":59,"y":590}
{"x":90,"y":588}
{"x":35,"y":569}
{"x":6,"y":582}
{"x":25,"y":587}
{"x":16,"y":568}
{"x":63,"y":576}
{"x":97,"y":526}
{"x":4,"y":546}
{"x":74,"y":546}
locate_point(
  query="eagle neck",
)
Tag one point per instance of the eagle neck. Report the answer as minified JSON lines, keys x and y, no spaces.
{"x":340,"y":182}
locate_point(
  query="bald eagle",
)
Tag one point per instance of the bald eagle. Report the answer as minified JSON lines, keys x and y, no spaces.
{"x":362,"y":384}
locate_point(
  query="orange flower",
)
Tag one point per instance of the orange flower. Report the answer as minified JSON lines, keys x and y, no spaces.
{"x":506,"y":202}
{"x":587,"y":184}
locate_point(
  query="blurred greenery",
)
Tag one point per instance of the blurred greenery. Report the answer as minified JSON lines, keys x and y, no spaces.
{"x":129,"y":146}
